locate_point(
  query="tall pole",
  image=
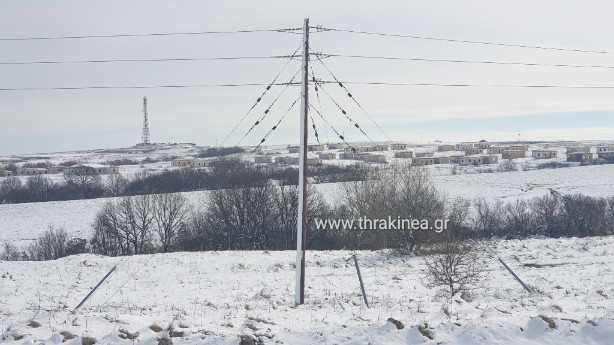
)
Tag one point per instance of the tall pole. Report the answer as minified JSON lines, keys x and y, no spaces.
{"x":145,"y":135}
{"x":301,"y":224}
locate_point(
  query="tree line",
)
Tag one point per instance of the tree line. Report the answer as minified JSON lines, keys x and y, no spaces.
{"x":228,"y":173}
{"x":261,"y":215}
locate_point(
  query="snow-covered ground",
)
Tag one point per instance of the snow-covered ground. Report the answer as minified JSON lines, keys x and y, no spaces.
{"x":214,"y":297}
{"x":21,"y":223}
{"x":593,"y":180}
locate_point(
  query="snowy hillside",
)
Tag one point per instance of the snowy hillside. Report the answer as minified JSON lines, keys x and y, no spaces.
{"x":214,"y":297}
{"x":21,"y":223}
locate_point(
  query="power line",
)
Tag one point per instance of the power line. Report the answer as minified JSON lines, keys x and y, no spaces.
{"x":155,"y":34}
{"x":471,"y":85}
{"x":262,"y":95}
{"x":267,"y":110}
{"x":353,"y":150}
{"x":468,"y":41}
{"x":179,"y":86}
{"x":355,"y":101}
{"x":275,"y":126}
{"x":354,"y":123}
{"x":148,"y":60}
{"x":463,"y":61}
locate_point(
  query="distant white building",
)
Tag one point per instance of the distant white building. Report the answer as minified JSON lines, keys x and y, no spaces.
{"x":32,"y":171}
{"x":182,"y":162}
{"x":374,"y":158}
{"x":398,"y":147}
{"x":446,"y":147}
{"x":483,"y":145}
{"x":91,"y":169}
{"x":493,"y":150}
{"x":294,"y":149}
{"x":473,"y":151}
{"x":316,"y":148}
{"x":6,"y":173}
{"x":607,"y":155}
{"x":442,"y":160}
{"x":580,"y":157}
{"x":605,"y":148}
{"x":203,"y":162}
{"x":330,"y":155}
{"x":523,"y":148}
{"x":579,"y":149}
{"x":510,"y":154}
{"x":380,"y":147}
{"x":464,"y":146}
{"x":544,"y":154}
{"x":56,"y":169}
{"x":263,"y":159}
{"x":471,"y":160}
{"x":404,"y":154}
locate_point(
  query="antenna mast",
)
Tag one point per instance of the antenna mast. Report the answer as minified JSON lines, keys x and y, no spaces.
{"x":145,"y":135}
{"x":301,"y":229}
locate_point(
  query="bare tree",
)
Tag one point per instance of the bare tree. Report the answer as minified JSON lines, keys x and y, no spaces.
{"x":39,"y":188}
{"x":10,"y":183}
{"x":170,"y":213}
{"x":107,"y":239}
{"x":82,"y":175}
{"x":286,"y":202}
{"x":124,"y":227}
{"x":116,"y":184}
{"x":457,"y":267}
{"x":243,"y":217}
{"x":141,"y":221}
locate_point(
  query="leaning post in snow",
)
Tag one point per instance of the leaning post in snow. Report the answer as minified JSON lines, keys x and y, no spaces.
{"x":515,"y":276}
{"x":362,"y":286}
{"x":95,"y":288}
{"x":301,"y":224}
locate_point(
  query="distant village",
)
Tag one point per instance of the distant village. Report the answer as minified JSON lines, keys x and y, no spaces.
{"x":463,"y":154}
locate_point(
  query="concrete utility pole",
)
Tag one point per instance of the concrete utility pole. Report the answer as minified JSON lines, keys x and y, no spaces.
{"x":301,"y":228}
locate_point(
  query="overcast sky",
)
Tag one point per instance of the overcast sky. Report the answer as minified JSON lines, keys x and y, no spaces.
{"x":53,"y":120}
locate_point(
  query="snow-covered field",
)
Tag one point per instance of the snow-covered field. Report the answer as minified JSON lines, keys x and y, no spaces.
{"x":215,"y":297}
{"x":592,"y":180}
{"x":21,"y":223}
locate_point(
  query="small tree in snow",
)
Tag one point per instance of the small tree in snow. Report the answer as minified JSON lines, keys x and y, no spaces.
{"x":457,"y":267}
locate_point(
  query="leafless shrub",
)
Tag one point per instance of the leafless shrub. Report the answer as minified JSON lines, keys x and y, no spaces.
{"x":402,"y":191}
{"x":457,"y":267}
{"x":488,"y":217}
{"x":507,"y":165}
{"x":10,"y":252}
{"x":50,"y":246}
